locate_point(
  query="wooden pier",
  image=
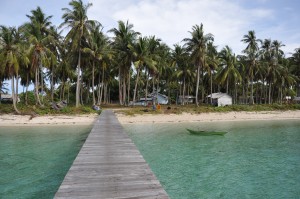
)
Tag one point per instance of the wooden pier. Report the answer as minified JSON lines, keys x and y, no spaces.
{"x":110,"y":166}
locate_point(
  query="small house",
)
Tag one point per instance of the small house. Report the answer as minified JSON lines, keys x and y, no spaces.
{"x":7,"y":98}
{"x":157,"y":97}
{"x":220,"y":99}
{"x":161,"y":99}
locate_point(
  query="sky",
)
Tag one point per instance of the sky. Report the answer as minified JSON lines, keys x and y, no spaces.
{"x":171,"y":20}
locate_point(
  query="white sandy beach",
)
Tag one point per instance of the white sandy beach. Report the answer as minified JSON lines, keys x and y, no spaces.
{"x":27,"y":120}
{"x":209,"y":117}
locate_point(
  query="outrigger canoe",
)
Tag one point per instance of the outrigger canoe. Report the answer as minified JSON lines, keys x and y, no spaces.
{"x":206,"y":133}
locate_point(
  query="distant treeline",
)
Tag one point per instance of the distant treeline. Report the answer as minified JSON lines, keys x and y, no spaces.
{"x":87,"y":66}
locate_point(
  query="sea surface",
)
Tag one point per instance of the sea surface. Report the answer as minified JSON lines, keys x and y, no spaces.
{"x":255,"y":159}
{"x":35,"y":160}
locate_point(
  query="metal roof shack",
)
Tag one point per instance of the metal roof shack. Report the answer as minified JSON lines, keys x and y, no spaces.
{"x":220,"y":99}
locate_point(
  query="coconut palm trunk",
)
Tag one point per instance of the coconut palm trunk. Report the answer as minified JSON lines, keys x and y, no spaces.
{"x":136,"y":84}
{"x":251,"y":97}
{"x":270,"y":90}
{"x":183,"y":92}
{"x":197,"y":84}
{"x":26,"y":92}
{"x":146,"y":90}
{"x":128,"y":88}
{"x":120,"y":88}
{"x":93,"y":83}
{"x":37,"y":87}
{"x":102,"y":87}
{"x":78,"y":80}
{"x":14,"y":98}
{"x":42,"y":84}
{"x":211,"y":89}
{"x":124,"y":89}
{"x":52,"y":85}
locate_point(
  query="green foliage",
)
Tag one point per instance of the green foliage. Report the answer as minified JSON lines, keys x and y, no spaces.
{"x":6,"y":108}
{"x":46,"y":110}
{"x":207,"y":109}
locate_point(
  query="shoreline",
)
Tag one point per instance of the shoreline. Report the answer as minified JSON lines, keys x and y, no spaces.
{"x":209,"y":117}
{"x":46,"y":120}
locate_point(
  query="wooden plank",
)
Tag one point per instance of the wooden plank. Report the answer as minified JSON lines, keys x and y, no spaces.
{"x":110,"y":166}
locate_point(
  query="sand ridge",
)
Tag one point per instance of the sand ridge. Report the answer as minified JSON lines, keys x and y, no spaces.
{"x":208,"y":117}
{"x":27,"y":120}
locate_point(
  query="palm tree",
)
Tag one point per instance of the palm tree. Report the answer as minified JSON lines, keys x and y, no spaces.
{"x":124,"y":36}
{"x":98,"y":50}
{"x":285,"y":80}
{"x":152,"y":69}
{"x":295,"y":67}
{"x":183,"y":70}
{"x":252,"y":53}
{"x":228,"y":67}
{"x":54,"y":46}
{"x":212,"y":62}
{"x":141,"y":58}
{"x":267,"y":62}
{"x":39,"y":36}
{"x":274,"y":68}
{"x":64,"y":73}
{"x":79,"y":24}
{"x":11,"y":57}
{"x":197,"y":46}
{"x":163,"y":61}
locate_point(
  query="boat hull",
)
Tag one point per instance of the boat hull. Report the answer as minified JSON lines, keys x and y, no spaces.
{"x":206,"y":133}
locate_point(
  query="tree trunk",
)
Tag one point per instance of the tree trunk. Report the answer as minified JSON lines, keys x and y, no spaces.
{"x":183,"y":92}
{"x":251,"y":97}
{"x":68,"y":92}
{"x":169,"y":94}
{"x":52,"y":85}
{"x":270,"y":88}
{"x":211,"y":89}
{"x":14,"y":98}
{"x":136,"y":84}
{"x":128,"y":88}
{"x":105,"y":94}
{"x":146,"y":90}
{"x":197,"y":84}
{"x":202,"y":85}
{"x":87,"y":99}
{"x":42,"y":84}
{"x":124,"y":89}
{"x":63,"y":90}
{"x":37,"y":87}
{"x":102,"y":85}
{"x":153,"y":91}
{"x":81,"y":92}
{"x":120,"y":87}
{"x":93,"y":83}
{"x":78,"y":80}
{"x":17,"y":88}
{"x":227,"y":85}
{"x":236,"y":98}
{"x":98,"y":89}
{"x":281,"y":94}
{"x":27,"y":85}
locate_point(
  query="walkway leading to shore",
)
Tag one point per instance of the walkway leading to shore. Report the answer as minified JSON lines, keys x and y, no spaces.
{"x":110,"y":166}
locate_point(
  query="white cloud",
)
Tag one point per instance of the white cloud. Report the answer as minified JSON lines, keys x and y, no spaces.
{"x":171,"y":20}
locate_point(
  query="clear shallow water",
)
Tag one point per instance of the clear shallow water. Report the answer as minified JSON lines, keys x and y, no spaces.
{"x":34,"y":160}
{"x":257,"y":159}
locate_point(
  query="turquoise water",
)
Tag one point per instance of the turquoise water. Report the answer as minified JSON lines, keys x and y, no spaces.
{"x":255,"y":159}
{"x":34,"y":160}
